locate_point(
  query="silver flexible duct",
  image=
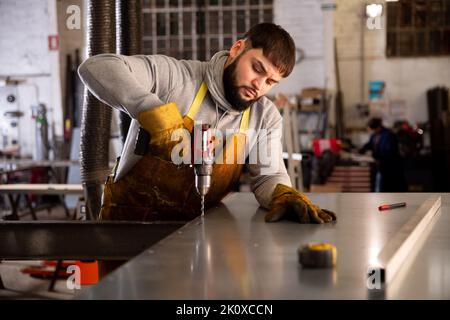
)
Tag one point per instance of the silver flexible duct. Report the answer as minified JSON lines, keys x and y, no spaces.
{"x":96,"y":117}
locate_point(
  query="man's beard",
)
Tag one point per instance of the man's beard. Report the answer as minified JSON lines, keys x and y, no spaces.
{"x":232,"y":90}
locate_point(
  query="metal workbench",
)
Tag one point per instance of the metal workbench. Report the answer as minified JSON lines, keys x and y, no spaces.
{"x":234,"y":254}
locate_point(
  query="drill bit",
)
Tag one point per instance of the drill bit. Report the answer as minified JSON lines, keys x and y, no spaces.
{"x":203,"y":206}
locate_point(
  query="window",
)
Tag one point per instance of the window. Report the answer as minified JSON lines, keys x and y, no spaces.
{"x":418,"y":28}
{"x":197,"y":29}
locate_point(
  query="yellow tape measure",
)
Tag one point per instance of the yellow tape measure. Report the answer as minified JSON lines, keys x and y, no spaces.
{"x":317,"y":255}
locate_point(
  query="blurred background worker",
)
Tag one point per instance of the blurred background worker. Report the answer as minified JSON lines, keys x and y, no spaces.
{"x":388,"y":171}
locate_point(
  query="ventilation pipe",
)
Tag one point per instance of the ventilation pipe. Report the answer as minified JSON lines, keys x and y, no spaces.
{"x":96,"y":116}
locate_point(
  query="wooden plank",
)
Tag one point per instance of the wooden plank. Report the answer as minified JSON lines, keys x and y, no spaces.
{"x":344,"y":189}
{"x":352,"y":168}
{"x":350,"y":174}
{"x":41,"y":188}
{"x":349,"y":179}
{"x":351,"y":184}
{"x":328,"y":187}
{"x":398,"y":248}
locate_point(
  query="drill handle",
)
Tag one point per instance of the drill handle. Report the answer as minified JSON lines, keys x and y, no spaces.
{"x":142,"y":142}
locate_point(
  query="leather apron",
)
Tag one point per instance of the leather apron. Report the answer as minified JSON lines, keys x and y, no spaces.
{"x":156,"y":189}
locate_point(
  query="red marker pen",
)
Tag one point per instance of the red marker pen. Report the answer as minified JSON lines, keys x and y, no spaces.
{"x":392,"y":206}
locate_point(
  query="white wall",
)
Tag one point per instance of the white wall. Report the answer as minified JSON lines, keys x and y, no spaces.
{"x":70,"y":39}
{"x":304,"y":21}
{"x":24,"y":29}
{"x":406,"y":78}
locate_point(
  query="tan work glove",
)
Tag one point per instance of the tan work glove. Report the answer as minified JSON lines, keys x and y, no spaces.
{"x":160,"y":122}
{"x":288,"y":203}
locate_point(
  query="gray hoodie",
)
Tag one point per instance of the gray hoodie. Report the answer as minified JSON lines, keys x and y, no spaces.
{"x":137,"y":83}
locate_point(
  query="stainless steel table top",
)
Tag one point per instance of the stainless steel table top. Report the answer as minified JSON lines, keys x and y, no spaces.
{"x":234,"y":254}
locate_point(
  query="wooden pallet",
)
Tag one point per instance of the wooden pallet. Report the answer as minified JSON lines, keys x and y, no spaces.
{"x":351,"y":178}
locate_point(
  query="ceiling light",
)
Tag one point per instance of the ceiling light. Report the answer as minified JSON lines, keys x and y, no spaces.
{"x":374,"y":10}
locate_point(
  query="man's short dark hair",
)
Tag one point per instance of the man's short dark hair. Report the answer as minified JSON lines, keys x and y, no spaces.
{"x":276,"y":43}
{"x":375,"y":123}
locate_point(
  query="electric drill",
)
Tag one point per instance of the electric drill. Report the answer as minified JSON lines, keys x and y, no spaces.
{"x":203,"y":152}
{"x":203,"y":165}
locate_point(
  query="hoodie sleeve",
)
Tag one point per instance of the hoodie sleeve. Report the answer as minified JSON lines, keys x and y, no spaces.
{"x":131,"y":83}
{"x":268,"y":169}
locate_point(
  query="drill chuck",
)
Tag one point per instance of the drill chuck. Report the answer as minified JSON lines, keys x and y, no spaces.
{"x":204,"y":167}
{"x":203,"y":174}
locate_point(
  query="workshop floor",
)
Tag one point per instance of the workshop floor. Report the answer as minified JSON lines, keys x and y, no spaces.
{"x":22,"y":286}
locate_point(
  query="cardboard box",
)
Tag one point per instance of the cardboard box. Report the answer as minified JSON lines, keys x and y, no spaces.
{"x":311,"y":99}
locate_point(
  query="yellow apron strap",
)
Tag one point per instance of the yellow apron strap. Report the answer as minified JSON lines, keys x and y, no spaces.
{"x":195,"y":106}
{"x":245,"y":121}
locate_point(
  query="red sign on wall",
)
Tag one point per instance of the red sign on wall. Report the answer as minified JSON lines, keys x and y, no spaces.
{"x":53,"y":42}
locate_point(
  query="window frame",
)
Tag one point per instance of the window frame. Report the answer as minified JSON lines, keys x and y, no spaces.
{"x":199,"y":35}
{"x":404,"y":29}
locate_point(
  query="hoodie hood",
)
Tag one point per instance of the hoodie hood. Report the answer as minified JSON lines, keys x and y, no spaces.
{"x":214,"y":81}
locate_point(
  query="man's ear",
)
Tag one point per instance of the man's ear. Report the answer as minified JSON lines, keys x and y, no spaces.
{"x":237,"y":48}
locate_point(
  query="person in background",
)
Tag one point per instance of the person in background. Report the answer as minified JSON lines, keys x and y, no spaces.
{"x":389,"y":170}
